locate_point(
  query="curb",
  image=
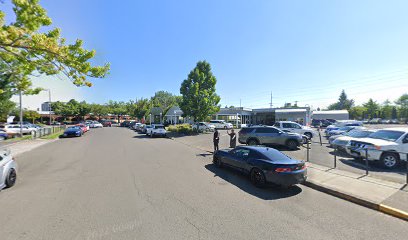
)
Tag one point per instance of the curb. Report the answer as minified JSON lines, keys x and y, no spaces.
{"x":360,"y":201}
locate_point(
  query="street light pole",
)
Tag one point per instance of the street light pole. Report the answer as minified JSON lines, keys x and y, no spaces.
{"x":150,"y":119}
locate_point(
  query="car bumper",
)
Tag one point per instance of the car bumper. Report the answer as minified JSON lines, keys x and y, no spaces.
{"x":286,"y":179}
{"x":361,"y":153}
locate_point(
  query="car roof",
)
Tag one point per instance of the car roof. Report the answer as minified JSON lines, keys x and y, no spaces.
{"x":260,"y":149}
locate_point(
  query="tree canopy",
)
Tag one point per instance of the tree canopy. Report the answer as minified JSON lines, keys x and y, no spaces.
{"x":199,"y":98}
{"x":342,"y":103}
{"x":26,"y":50}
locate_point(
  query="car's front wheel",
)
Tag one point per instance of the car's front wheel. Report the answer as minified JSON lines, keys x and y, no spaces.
{"x":257,"y":177}
{"x":389,"y":160}
{"x":292,"y":144}
{"x":11,"y":178}
{"x":217,"y":162}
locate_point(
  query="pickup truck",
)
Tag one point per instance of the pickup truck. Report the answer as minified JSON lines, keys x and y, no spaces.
{"x":388,"y":146}
{"x":293,"y":127}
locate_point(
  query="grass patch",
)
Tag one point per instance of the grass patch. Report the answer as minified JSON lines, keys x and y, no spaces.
{"x":53,"y":136}
{"x":11,"y":140}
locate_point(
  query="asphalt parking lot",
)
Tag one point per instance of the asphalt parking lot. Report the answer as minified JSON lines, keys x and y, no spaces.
{"x":113,"y":183}
{"x":319,"y":154}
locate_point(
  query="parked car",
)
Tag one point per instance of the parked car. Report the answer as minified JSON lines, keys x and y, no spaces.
{"x":156,"y":130}
{"x":342,"y":130}
{"x":263,"y":165}
{"x":388,"y":146}
{"x":146,"y":128}
{"x":96,"y":124}
{"x":73,"y":131}
{"x":344,"y":123}
{"x":15,"y":129}
{"x":375,"y":121}
{"x":3,"y":135}
{"x":264,"y":135}
{"x":203,"y":127}
{"x":340,"y":142}
{"x":221,"y":124}
{"x":293,"y":127}
{"x":8,"y":169}
{"x":107,"y":124}
{"x":136,"y":126}
{"x":124,"y":124}
{"x":83,"y":127}
{"x":320,"y":123}
{"x":394,"y":121}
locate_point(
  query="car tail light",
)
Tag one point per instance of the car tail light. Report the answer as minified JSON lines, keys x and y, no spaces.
{"x":280,"y":170}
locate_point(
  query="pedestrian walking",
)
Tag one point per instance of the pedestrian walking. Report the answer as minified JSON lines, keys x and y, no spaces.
{"x":216,"y":139}
{"x":233,"y":138}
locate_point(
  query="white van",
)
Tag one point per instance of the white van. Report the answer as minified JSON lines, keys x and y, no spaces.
{"x":221,"y":124}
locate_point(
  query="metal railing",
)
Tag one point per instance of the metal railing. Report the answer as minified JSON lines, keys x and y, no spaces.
{"x":47,"y":131}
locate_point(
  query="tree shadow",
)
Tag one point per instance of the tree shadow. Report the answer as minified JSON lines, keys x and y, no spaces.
{"x":243,"y":183}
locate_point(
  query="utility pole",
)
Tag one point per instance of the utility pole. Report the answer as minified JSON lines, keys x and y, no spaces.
{"x":21,"y":114}
{"x":240,"y":103}
{"x":271,"y":103}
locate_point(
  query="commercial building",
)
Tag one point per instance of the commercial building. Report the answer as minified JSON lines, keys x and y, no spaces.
{"x":332,"y":114}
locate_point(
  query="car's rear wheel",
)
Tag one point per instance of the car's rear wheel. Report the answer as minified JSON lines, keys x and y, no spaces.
{"x":292,"y":144}
{"x":308,"y":135}
{"x":253,"y":142}
{"x":11,"y":178}
{"x":257,"y":177}
{"x":389,"y":160}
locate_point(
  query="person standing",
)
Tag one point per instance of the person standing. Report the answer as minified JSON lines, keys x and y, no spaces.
{"x":216,"y":139}
{"x":233,"y":138}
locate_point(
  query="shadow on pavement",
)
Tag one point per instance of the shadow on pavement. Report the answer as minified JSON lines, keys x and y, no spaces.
{"x":204,"y":154}
{"x":242,"y":182}
{"x":360,"y":164}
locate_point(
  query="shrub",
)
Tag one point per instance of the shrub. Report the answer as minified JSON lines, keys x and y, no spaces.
{"x":181,"y":128}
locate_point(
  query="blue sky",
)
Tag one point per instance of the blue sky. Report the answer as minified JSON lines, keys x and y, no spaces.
{"x":306,"y":51}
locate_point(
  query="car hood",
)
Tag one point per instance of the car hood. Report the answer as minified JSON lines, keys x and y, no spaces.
{"x":378,"y":142}
{"x":72,"y":130}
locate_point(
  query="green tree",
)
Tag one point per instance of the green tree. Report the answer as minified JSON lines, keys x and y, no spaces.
{"x":198,"y":91}
{"x":342,"y":103}
{"x":117,"y":108}
{"x":83,"y":109}
{"x":31,"y":115}
{"x":164,"y":100}
{"x":6,"y":106}
{"x":357,"y":112}
{"x":98,"y":110}
{"x":402,"y":103}
{"x":142,"y":108}
{"x":386,"y":110}
{"x":372,"y":108}
{"x":394,"y":113}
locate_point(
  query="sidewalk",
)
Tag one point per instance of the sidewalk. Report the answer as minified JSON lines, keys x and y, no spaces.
{"x":388,"y":197}
{"x":21,"y":147}
{"x":381,"y":195}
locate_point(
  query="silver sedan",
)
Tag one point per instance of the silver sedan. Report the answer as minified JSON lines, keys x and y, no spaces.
{"x":8,"y":169}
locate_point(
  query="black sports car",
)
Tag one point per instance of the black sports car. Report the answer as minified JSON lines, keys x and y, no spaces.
{"x":264,"y":165}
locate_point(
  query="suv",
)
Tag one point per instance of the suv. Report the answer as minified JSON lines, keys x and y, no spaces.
{"x":156,"y":130}
{"x":388,"y":146}
{"x":293,"y":127}
{"x":320,"y":123}
{"x":221,"y":124}
{"x":203,"y":127}
{"x":269,"y":136}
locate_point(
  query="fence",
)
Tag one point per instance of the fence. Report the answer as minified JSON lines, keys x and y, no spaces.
{"x":321,"y":151}
{"x":47,"y":131}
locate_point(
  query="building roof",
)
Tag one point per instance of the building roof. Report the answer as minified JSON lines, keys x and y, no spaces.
{"x":331,"y":112}
{"x":290,"y":110}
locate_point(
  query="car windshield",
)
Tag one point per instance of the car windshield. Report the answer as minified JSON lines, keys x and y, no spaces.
{"x":74,"y":128}
{"x":388,"y":135}
{"x":345,"y":128}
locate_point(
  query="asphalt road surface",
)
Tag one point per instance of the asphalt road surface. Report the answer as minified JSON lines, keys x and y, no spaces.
{"x":115,"y":184}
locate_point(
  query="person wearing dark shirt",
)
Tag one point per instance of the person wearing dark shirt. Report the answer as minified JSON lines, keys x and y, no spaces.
{"x":233,"y":138}
{"x":216,"y":139}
